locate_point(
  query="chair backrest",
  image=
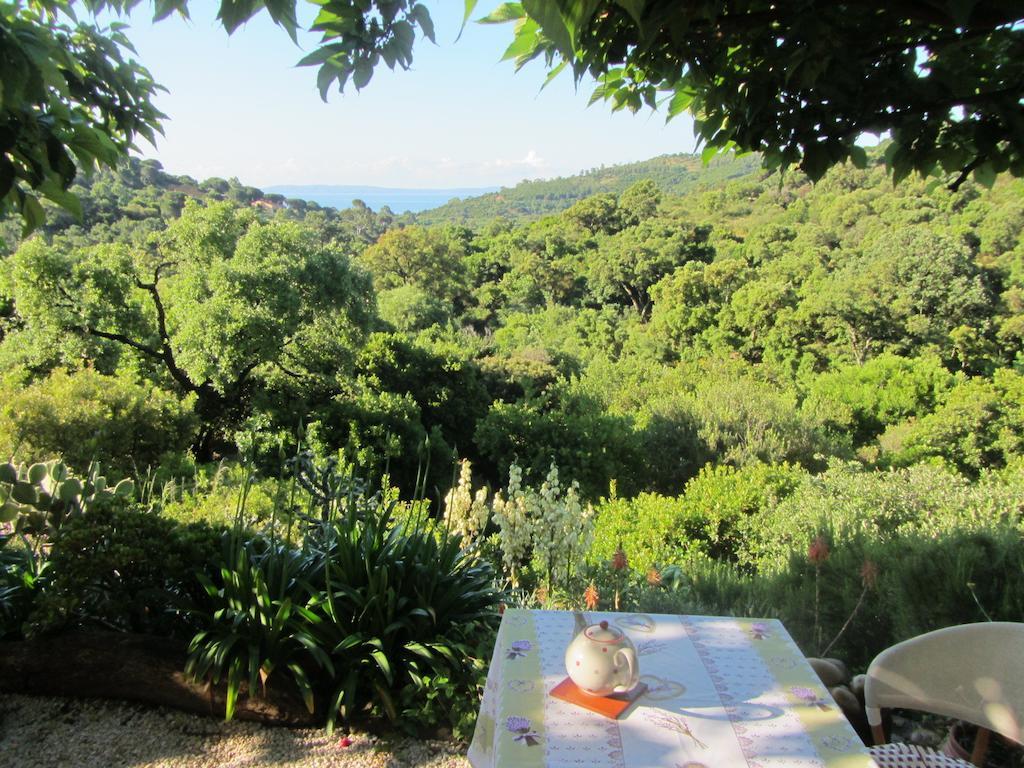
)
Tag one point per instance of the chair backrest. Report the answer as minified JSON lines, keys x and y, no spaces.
{"x":973,"y":672}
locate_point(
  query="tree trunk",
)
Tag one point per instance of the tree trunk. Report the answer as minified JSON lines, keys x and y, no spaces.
{"x":141,"y":668}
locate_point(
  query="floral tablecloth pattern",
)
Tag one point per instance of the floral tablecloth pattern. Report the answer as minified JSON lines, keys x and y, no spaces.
{"x":721,"y":692}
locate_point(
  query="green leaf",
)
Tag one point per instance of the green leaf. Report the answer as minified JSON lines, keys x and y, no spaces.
{"x":815,"y":161}
{"x":164,"y":8}
{"x":302,"y":682}
{"x":470,"y":5}
{"x":32,"y":214}
{"x":577,"y":15}
{"x":681,"y":99}
{"x":504,"y":13}
{"x":421,"y":16}
{"x":283,"y":14}
{"x":69,"y":489}
{"x":324,"y":78}
{"x":552,"y":24}
{"x":709,"y":152}
{"x":234,"y":13}
{"x":361,"y":74}
{"x":554,"y":73}
{"x":24,"y":493}
{"x":525,"y":42}
{"x":320,"y":55}
{"x":383,"y":664}
{"x":66,"y":200}
{"x":8,"y":473}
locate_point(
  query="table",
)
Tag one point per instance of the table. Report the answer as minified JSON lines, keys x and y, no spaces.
{"x":722,"y":692}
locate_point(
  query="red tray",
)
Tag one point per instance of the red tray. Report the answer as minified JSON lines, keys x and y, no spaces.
{"x":612,"y":706}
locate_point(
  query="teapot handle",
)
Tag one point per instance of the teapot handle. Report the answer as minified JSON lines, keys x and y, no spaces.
{"x":630,"y":656}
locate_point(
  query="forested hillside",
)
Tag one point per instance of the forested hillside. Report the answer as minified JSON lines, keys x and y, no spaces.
{"x":139,"y":198}
{"x":633,"y":337}
{"x":674,"y":174}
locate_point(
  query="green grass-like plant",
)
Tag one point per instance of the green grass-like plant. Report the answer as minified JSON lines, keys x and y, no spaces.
{"x":364,"y":617}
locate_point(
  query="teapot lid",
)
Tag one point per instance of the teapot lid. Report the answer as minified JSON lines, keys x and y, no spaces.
{"x":603,"y":633}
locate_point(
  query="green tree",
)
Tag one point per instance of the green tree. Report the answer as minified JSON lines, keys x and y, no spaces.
{"x":220,"y":306}
{"x":639,"y":202}
{"x":427,"y":258}
{"x":907,"y":291}
{"x":630,"y":262}
{"x":980,"y":425}
{"x":71,"y":98}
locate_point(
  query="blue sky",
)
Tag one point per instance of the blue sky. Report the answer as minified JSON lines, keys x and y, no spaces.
{"x":238,"y":106}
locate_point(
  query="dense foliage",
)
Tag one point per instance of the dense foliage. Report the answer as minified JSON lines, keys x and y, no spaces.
{"x":795,"y":81}
{"x":659,"y":402}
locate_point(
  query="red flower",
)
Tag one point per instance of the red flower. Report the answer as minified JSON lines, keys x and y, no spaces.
{"x":869,"y":574}
{"x":590,"y":597}
{"x":619,"y":561}
{"x":346,"y":742}
{"x":818,"y":552}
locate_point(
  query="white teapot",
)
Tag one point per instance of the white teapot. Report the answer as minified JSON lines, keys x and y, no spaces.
{"x":601,"y":660}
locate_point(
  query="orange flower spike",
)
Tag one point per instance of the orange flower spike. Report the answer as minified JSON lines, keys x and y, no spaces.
{"x":619,"y":561}
{"x":869,"y":574}
{"x":541,"y":594}
{"x":653,"y":577}
{"x":818,"y":552}
{"x":590,"y":597}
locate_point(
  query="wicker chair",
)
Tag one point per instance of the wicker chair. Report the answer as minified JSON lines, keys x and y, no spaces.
{"x":973,"y":672}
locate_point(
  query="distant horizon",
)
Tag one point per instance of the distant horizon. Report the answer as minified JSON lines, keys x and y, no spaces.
{"x":460,"y":118}
{"x":397,"y":199}
{"x":282,"y":188}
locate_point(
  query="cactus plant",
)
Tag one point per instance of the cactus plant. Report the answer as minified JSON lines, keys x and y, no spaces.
{"x":38,"y":499}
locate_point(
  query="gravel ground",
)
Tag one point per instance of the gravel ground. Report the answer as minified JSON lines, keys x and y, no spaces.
{"x":52,"y":733}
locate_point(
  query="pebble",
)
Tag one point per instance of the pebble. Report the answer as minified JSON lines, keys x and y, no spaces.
{"x":43,"y":732}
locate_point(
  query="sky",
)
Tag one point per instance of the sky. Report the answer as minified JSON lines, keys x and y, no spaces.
{"x":238,"y":106}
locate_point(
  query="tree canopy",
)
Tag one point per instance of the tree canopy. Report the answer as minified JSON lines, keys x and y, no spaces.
{"x":793,"y":81}
{"x":219,"y":306}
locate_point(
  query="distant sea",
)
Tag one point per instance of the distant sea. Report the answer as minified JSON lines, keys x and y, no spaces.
{"x":398,"y":200}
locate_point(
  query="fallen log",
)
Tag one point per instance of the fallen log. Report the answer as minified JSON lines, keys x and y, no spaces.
{"x":140,"y":668}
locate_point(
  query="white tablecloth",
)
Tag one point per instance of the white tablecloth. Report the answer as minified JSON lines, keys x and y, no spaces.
{"x":722,"y":692}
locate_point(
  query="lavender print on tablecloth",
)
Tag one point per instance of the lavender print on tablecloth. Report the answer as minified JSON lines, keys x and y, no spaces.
{"x":519,"y":648}
{"x":809,"y":697}
{"x":523,"y":730}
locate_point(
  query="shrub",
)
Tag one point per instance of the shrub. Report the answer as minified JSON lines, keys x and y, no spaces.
{"x":85,"y":416}
{"x":723,"y":506}
{"x":646,"y":526}
{"x":885,"y":390}
{"x":926,"y":499}
{"x":124,"y":568}
{"x":923,"y":583}
{"x":218,"y":504}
